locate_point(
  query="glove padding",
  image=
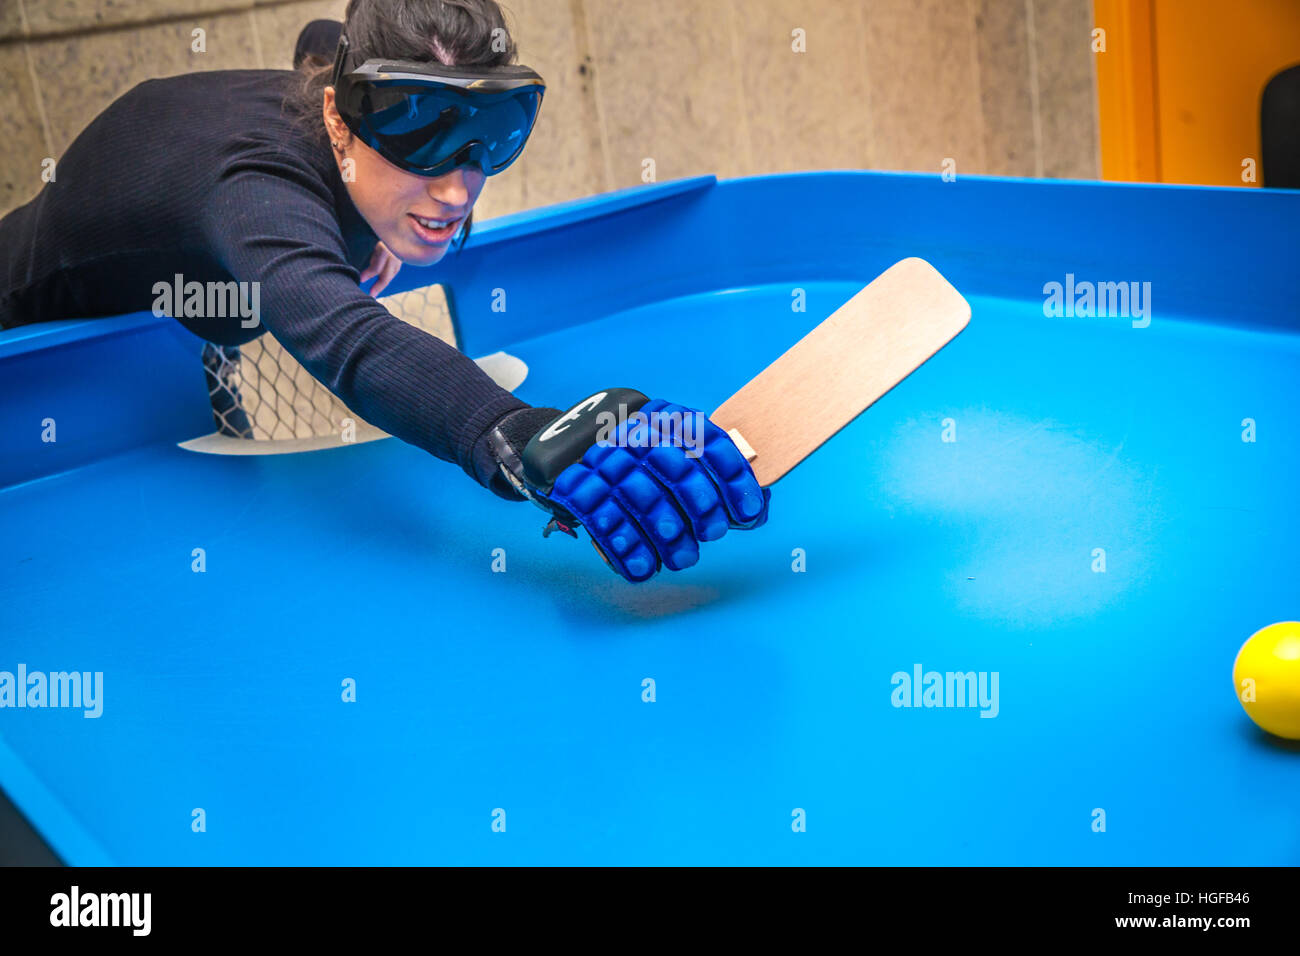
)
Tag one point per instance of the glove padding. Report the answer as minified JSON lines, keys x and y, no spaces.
{"x":650,"y":484}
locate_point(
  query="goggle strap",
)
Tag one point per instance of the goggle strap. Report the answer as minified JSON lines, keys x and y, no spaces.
{"x":340,"y":57}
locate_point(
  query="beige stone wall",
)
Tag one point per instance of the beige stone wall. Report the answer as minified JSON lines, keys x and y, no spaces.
{"x":698,"y":86}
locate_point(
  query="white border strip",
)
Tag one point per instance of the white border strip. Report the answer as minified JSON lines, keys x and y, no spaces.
{"x":506,"y":370}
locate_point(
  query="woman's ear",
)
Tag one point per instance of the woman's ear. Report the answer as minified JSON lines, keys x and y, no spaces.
{"x":338,"y":130}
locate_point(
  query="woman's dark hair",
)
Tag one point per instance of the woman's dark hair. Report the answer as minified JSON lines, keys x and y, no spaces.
{"x":464,"y":33}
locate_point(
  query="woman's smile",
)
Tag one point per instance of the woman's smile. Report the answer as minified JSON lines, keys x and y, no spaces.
{"x":434,"y":232}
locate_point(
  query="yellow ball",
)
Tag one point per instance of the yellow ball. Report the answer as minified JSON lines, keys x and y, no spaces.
{"x":1267,"y":678}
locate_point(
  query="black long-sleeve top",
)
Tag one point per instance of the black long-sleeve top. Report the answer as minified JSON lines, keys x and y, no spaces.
{"x":208,"y":175}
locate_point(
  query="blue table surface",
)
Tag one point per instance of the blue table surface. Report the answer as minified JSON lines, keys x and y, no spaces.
{"x":522,"y":690}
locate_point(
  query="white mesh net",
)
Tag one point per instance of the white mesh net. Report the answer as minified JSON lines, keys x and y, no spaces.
{"x":260,"y":393}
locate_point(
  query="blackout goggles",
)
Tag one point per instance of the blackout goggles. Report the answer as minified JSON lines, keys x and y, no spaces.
{"x":429,"y":119}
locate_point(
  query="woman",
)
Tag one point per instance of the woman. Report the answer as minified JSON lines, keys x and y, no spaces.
{"x":303,"y":185}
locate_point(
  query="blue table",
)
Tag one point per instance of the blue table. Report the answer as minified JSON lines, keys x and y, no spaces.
{"x":1098,"y":536}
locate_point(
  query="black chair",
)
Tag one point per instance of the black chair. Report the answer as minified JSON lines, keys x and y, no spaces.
{"x":320,"y":38}
{"x":1279,"y":129}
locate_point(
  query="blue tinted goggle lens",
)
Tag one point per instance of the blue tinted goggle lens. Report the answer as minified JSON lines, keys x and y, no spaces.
{"x":430,"y":127}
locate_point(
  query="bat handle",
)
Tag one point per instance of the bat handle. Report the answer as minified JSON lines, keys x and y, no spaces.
{"x":745,"y":447}
{"x":603,"y":556}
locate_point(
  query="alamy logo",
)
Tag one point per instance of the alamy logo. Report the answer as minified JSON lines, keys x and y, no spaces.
{"x":209,"y":300}
{"x":72,"y":689}
{"x":1102,"y":299}
{"x":676,"y":429}
{"x":947,"y":689}
{"x":669,"y":429}
{"x":75,"y":908}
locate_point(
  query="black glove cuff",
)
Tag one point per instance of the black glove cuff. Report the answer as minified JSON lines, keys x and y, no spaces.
{"x":505,"y":443}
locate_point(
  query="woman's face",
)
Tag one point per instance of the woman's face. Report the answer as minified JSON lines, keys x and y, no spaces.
{"x":416,"y":217}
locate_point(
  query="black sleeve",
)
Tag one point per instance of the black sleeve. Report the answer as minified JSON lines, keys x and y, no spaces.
{"x":272,"y":221}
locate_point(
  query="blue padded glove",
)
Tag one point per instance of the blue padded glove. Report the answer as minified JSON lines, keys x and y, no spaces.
{"x":649,"y":480}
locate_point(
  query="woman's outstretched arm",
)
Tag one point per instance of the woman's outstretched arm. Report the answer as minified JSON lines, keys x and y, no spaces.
{"x":270,"y":220}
